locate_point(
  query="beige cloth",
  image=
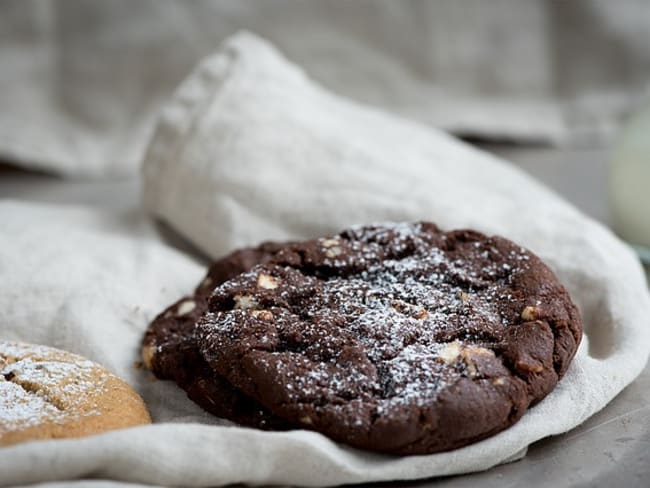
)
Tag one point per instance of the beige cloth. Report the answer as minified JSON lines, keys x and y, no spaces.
{"x":250,"y":149}
{"x":81,"y":82}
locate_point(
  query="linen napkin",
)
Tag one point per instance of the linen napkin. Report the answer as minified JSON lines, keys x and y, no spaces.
{"x":250,"y":149}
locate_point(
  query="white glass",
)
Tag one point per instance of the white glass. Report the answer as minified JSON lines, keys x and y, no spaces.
{"x":630,"y":183}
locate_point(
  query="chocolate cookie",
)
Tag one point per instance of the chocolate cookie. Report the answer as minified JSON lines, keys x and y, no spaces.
{"x":400,"y":338}
{"x":46,"y":393}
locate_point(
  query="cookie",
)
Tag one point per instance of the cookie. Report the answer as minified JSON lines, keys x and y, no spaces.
{"x":46,"y":393}
{"x":399,"y":338}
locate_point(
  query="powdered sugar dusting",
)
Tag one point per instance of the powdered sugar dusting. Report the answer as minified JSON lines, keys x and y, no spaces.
{"x":21,"y":410}
{"x":42,"y":385}
{"x":371,"y":320}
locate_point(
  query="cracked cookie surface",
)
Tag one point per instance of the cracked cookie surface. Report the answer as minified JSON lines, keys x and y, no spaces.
{"x":46,"y":393}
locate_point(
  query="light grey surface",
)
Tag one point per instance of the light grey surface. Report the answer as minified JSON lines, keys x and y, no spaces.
{"x":610,"y":449}
{"x":578,"y":174}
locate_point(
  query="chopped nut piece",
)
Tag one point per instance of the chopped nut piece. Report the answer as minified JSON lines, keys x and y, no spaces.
{"x":469,"y":353}
{"x":147,"y":354}
{"x":409,"y":309}
{"x":471,"y":367}
{"x":185,"y":307}
{"x":262,"y":314}
{"x":332,"y":252}
{"x":401,"y":306}
{"x":529,"y":367}
{"x":499,"y":382}
{"x":463,"y":296}
{"x":306,"y":420}
{"x":267,"y":282}
{"x":244,"y":302}
{"x":529,"y":313}
{"x":450,"y":352}
{"x":330,"y":242}
{"x":421,"y":314}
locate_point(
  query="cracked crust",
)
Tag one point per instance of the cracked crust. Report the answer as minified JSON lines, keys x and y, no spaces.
{"x":402,"y":339}
{"x":46,"y":393}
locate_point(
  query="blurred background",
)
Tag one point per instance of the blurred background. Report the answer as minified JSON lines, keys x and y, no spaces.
{"x":559,"y":88}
